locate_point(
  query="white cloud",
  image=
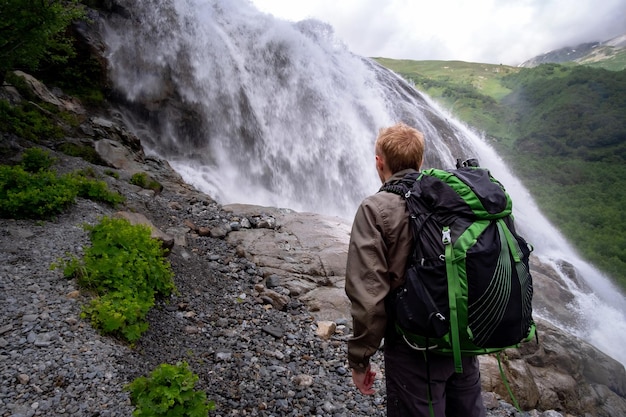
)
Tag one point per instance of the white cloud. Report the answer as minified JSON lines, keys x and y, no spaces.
{"x":493,"y":31}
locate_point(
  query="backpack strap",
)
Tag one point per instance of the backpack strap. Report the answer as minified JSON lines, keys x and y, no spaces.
{"x":453,"y":287}
{"x":406,"y":187}
{"x":402,"y":186}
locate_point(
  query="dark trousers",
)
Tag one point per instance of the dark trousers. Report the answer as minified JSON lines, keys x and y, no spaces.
{"x":453,"y":395}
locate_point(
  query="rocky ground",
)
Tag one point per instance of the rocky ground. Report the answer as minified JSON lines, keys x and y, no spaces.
{"x":251,"y":358}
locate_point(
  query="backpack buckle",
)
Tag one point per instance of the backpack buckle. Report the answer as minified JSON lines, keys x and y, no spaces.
{"x":445,"y":236}
{"x":440,"y":317}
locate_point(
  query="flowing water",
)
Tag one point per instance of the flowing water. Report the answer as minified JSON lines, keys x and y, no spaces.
{"x":251,"y":109}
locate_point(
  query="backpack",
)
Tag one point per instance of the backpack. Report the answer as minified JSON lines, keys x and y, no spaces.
{"x":468,"y":288}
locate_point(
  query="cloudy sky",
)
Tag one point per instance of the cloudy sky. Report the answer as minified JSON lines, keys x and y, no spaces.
{"x":489,"y":31}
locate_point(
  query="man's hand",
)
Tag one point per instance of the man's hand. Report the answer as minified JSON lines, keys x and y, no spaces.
{"x":364,"y":380}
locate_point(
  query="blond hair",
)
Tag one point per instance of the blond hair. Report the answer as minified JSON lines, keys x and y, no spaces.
{"x":401,"y":146}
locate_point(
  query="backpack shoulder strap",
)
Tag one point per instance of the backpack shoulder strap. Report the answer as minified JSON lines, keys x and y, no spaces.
{"x":410,"y":189}
{"x":399,"y":188}
{"x":402,"y":186}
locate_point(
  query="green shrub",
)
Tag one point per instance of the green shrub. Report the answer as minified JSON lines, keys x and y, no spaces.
{"x":87,"y":153}
{"x":112,"y":174}
{"x":169,"y":391}
{"x":21,"y":86}
{"x":28,"y":121}
{"x":36,"y":159}
{"x":126,"y":268}
{"x":96,"y":190}
{"x":41,"y":195}
{"x":124,"y":256}
{"x":119,"y":313}
{"x":141,"y":179}
{"x":38,"y":193}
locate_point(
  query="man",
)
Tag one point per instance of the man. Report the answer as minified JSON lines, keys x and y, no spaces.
{"x":380,"y":244}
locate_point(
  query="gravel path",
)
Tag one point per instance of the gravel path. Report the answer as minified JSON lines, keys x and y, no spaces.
{"x":252,"y":360}
{"x":52,"y":362}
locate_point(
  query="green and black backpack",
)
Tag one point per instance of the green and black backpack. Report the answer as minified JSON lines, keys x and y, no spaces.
{"x":468,"y":287}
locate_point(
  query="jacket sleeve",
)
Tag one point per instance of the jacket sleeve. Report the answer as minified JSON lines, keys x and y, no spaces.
{"x":367,"y":283}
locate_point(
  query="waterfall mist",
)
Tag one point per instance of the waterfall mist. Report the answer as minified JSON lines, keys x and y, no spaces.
{"x":255,"y":110}
{"x":251,"y":109}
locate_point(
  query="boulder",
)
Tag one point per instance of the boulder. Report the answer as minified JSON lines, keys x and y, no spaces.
{"x":69,"y":104}
{"x":561,"y":372}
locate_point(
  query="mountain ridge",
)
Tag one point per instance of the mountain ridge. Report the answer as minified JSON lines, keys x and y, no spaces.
{"x":587,"y":53}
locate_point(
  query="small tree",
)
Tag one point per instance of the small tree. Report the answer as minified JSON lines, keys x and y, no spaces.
{"x":31,"y":29}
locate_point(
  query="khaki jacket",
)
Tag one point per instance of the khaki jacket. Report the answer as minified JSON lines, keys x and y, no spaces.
{"x":380,"y":243}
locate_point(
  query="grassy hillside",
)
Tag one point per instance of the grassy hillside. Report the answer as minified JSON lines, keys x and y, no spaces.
{"x":471,"y":91}
{"x":562,"y":130}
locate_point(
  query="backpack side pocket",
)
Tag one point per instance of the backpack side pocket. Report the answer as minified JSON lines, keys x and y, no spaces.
{"x":416,"y":307}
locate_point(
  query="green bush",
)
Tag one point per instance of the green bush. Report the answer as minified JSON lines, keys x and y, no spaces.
{"x":96,"y":190}
{"x":125,"y":268}
{"x":28,"y":121}
{"x":112,"y":174}
{"x":31,"y":191}
{"x":87,"y":153}
{"x":37,"y":159}
{"x":40,"y":195}
{"x":141,"y":179}
{"x":120,"y":313}
{"x":169,"y":391}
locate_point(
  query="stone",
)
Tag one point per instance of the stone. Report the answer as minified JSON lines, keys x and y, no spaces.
{"x":303,"y":380}
{"x":203,"y":231}
{"x":118,"y":156}
{"x":278,"y":301}
{"x":73,"y":294}
{"x":41,"y":91}
{"x":138,"y":218}
{"x":275,"y":331}
{"x":325,"y":329}
{"x":218,"y":232}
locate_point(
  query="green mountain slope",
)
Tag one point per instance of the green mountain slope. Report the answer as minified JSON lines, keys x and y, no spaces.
{"x":561,"y":128}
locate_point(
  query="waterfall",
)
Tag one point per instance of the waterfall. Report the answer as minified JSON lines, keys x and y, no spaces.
{"x":251,"y":109}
